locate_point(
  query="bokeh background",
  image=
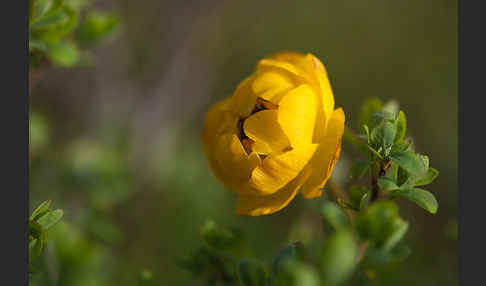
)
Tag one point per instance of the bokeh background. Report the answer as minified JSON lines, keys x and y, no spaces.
{"x":116,"y":144}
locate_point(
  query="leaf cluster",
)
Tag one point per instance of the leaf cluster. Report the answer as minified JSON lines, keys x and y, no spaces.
{"x":216,"y":260}
{"x":40,"y":221}
{"x":60,"y":30}
{"x":223,"y":259}
{"x":334,"y":262}
{"x":391,"y":158}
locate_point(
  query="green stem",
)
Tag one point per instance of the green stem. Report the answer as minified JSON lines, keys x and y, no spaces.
{"x":338,"y":193}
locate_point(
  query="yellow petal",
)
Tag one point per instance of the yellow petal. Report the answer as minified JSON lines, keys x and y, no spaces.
{"x":272,"y":86}
{"x":269,"y":64}
{"x":326,"y":102}
{"x":263,"y":205}
{"x":314,"y":71}
{"x":288,"y":56}
{"x":307,"y":69}
{"x":325,"y":157}
{"x":316,"y":74}
{"x":243,"y":99}
{"x":278,"y":170}
{"x":263,"y":128}
{"x":292,"y":62}
{"x":232,"y":160}
{"x":304,"y":64}
{"x":226,"y":156}
{"x":297,"y":115}
{"x":218,"y":120}
{"x":325,"y":85}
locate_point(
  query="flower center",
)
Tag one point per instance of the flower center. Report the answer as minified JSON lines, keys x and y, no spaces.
{"x":261,"y":104}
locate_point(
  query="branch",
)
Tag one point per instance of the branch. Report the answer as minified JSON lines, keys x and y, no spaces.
{"x":375,"y":188}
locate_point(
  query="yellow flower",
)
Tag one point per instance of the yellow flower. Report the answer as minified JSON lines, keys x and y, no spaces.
{"x":277,"y":135}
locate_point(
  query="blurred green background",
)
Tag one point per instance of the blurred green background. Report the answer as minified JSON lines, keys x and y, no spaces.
{"x":116,"y":144}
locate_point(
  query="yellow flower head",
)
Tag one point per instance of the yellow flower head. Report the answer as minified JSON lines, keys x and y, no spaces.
{"x":278,"y":134}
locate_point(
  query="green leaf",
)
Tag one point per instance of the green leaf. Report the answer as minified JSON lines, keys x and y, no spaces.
{"x":410,"y":162}
{"x":376,"y":153}
{"x":96,"y":26}
{"x":398,"y":229}
{"x":338,"y":258}
{"x":37,"y":238}
{"x":333,"y":216}
{"x":402,"y":176}
{"x":387,"y":184}
{"x":389,"y":133}
{"x":369,"y":107}
{"x":251,"y":273}
{"x":71,"y":24}
{"x":356,"y":192}
{"x":35,"y":249}
{"x":428,"y":178}
{"x":364,"y":202}
{"x":59,"y":17}
{"x":359,"y":168}
{"x":412,"y":179}
{"x":425,"y":161}
{"x":64,"y":53}
{"x":346,"y":206}
{"x":422,"y":198}
{"x":384,"y":136}
{"x":50,"y":218}
{"x":35,"y":229}
{"x":367,"y":132}
{"x":378,"y":223}
{"x":54,"y":26}
{"x":378,"y":117}
{"x":392,"y":172}
{"x":40,"y":210}
{"x":400,"y":146}
{"x":42,"y":7}
{"x":391,"y":107}
{"x":401,"y":126}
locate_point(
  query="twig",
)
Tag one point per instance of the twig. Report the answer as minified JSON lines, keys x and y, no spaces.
{"x":375,"y":188}
{"x":361,"y":251}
